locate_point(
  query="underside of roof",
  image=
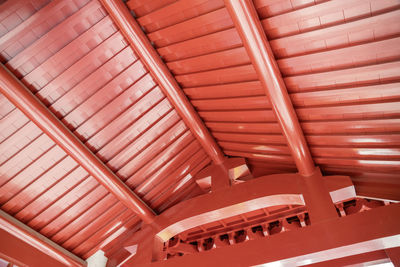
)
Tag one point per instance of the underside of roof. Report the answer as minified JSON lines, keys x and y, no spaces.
{"x":339,"y":60}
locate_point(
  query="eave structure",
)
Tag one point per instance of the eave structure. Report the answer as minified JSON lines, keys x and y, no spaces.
{"x":199,"y":132}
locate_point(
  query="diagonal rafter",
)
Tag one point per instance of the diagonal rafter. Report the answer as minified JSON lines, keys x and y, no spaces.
{"x":35,"y":110}
{"x":35,"y":240}
{"x":160,"y":72}
{"x":250,"y":30}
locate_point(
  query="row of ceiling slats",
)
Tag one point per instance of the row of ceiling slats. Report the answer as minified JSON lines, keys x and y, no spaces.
{"x":340,"y":63}
{"x":339,"y":60}
{"x":74,"y":59}
{"x":201,"y":47}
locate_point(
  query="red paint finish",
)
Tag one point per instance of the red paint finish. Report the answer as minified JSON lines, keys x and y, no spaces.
{"x":394,"y":255}
{"x":341,"y":77}
{"x":271,"y":218}
{"x":311,"y":244}
{"x":376,"y":257}
{"x":162,"y":75}
{"x":81,"y":67}
{"x":204,"y":52}
{"x":261,"y":229}
{"x":214,"y":177}
{"x":339,"y":61}
{"x":245,"y":18}
{"x":17,"y":93}
{"x":9,"y":225}
{"x":317,"y":193}
{"x":319,"y":202}
{"x":246,"y":205}
{"x":226,"y":202}
{"x":236,"y":230}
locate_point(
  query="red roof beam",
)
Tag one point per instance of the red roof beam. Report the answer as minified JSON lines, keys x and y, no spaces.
{"x":376,"y":229}
{"x":250,"y":30}
{"x":36,"y":242}
{"x":35,"y":110}
{"x":160,"y":72}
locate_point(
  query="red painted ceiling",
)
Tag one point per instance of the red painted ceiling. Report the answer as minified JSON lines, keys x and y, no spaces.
{"x":339,"y":60}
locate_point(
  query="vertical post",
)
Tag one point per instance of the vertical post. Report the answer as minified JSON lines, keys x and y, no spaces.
{"x":23,"y":99}
{"x":254,"y":40}
{"x":160,"y":72}
{"x":317,"y":198}
{"x":220,"y":178}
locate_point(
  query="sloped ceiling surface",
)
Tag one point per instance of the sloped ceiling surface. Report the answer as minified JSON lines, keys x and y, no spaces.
{"x":72,"y":56}
{"x":199,"y":43}
{"x":340,"y":63}
{"x":339,"y":60}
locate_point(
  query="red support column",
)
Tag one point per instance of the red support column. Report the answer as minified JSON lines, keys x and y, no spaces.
{"x":317,"y":198}
{"x":22,"y":98}
{"x":250,"y":30}
{"x":35,"y":240}
{"x":142,"y":46}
